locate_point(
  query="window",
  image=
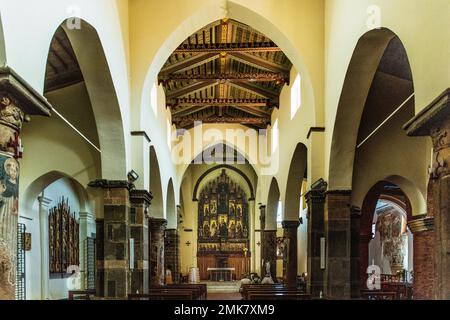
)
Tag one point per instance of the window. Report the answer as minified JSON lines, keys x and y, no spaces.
{"x":169,"y":134}
{"x":296,"y":96}
{"x":374,"y":230}
{"x":154,"y":99}
{"x":280,"y":212}
{"x":275,"y":136}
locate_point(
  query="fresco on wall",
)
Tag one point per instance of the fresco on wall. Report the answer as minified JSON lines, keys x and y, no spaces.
{"x":391,"y":229}
{"x":223,"y":216}
{"x":9,"y":204}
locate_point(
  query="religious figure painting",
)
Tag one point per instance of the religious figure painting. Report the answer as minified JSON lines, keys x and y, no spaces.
{"x":9,"y":199}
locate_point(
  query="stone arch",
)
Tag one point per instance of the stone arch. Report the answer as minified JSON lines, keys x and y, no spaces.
{"x":94,"y":66}
{"x":39,"y":184}
{"x":213,"y":11}
{"x":272,"y":205}
{"x":223,"y":166}
{"x":296,"y":175}
{"x":373,"y":48}
{"x":157,"y":207}
{"x":171,"y":210}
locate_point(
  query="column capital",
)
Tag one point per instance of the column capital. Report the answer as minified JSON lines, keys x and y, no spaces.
{"x":157,"y":224}
{"x":138,"y":196}
{"x":434,"y":121}
{"x":111,"y":184}
{"x":87,"y":215}
{"x":44,"y":202}
{"x":290,"y":224}
{"x":421,"y":224}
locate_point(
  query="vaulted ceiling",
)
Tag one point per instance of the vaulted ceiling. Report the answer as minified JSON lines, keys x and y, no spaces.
{"x":226,"y":72}
{"x":62,"y":66}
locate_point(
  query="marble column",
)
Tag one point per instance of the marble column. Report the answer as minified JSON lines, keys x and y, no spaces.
{"x":113,"y":270}
{"x":140,"y":201}
{"x":18,"y":101}
{"x":157,"y":229}
{"x":434,"y":121}
{"x":338,"y":238}
{"x":44,"y":204}
{"x":290,"y":236}
{"x":315,"y":215}
{"x":423,"y":261}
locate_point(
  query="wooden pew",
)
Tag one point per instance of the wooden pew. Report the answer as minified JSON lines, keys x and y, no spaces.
{"x":259,"y":287}
{"x":81,"y":294}
{"x":254,"y":295}
{"x":163,"y":295}
{"x":378,"y":295}
{"x":199,"y":290}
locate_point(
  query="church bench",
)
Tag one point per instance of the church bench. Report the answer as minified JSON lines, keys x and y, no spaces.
{"x":81,"y":294}
{"x":378,"y":295}
{"x":278,"y":296}
{"x":199,"y":290}
{"x":163,"y":295}
{"x":273,"y":291}
{"x":246,"y":287}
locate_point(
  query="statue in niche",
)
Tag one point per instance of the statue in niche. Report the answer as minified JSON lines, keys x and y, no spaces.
{"x":223,"y":229}
{"x":239,"y":211}
{"x":213,"y":229}
{"x":232,"y":208}
{"x":213,"y":207}
{"x":239,"y":231}
{"x":232,"y":231}
{"x":206,"y":231}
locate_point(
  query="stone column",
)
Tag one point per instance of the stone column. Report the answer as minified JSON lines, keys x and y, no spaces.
{"x":140,"y":201}
{"x":43,"y":228}
{"x":157,"y":229}
{"x":359,"y":254}
{"x":290,"y":236}
{"x":172,"y":253}
{"x":423,"y":262}
{"x":338,"y":236}
{"x":316,"y":201}
{"x":17,"y":102}
{"x":434,"y":121}
{"x":262,"y":226}
{"x":113,"y":270}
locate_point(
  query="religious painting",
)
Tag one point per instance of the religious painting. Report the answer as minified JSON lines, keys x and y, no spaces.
{"x":9,"y":200}
{"x":27,"y":242}
{"x":63,"y":238}
{"x":223,"y":216}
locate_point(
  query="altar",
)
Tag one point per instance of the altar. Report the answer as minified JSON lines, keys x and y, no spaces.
{"x":221,"y":274}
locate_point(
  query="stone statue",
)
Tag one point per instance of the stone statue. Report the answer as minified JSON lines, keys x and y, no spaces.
{"x":268,"y":278}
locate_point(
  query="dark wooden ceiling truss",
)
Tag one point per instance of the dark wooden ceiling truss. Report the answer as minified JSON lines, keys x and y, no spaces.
{"x":225,"y":73}
{"x":63,"y":69}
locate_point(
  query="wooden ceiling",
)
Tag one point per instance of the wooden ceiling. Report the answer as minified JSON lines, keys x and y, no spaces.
{"x":226,"y":72}
{"x":62,"y":66}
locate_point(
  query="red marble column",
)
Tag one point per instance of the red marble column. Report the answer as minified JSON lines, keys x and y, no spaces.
{"x":423,"y":261}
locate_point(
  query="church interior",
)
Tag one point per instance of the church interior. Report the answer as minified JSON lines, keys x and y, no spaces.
{"x":224,"y":150}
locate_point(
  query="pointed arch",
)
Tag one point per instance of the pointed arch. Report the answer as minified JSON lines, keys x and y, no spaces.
{"x":95,"y":70}
{"x":157,"y":207}
{"x":272,"y":205}
{"x":171,"y":210}
{"x":377,"y":50}
{"x":297,"y":173}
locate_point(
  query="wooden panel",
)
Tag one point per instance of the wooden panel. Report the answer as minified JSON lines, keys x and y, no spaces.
{"x":239,"y":264}
{"x":204,"y":263}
